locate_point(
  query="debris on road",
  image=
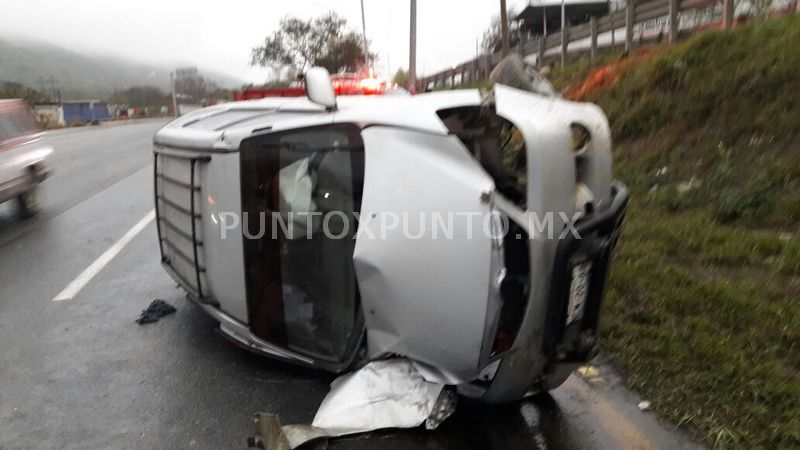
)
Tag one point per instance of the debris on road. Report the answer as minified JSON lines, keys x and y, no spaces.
{"x":383,"y":394}
{"x":445,"y":407}
{"x":644,"y":405}
{"x":588,"y":371}
{"x":596,"y":381}
{"x":591,"y":375}
{"x":156,"y":310}
{"x":269,"y":433}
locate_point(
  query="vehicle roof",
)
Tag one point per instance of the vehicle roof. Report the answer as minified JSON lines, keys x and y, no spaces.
{"x":12,"y":104}
{"x":222,"y":127}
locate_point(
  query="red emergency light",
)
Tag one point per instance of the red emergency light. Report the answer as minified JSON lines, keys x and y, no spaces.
{"x":343,"y":84}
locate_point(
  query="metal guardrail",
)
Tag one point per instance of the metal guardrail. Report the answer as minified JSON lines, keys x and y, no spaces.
{"x":626,"y":20}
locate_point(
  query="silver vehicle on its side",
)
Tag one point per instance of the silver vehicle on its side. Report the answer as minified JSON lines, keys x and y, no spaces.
{"x":497,"y":314}
{"x":23,"y":156}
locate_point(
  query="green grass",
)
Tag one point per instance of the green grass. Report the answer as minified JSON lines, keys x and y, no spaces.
{"x":733,"y":85}
{"x":703,"y":308}
{"x":703,"y":320}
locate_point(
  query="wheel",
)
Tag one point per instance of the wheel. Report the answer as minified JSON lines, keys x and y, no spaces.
{"x":513,"y":72}
{"x":28,"y":201}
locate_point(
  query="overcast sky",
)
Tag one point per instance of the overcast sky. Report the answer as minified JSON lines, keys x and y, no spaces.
{"x":219,"y":34}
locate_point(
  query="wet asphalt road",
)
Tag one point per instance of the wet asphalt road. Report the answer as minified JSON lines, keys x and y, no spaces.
{"x":81,"y":374}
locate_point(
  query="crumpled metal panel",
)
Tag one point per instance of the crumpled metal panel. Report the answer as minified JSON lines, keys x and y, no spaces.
{"x":544,"y":122}
{"x":389,"y":393}
{"x":552,"y":176}
{"x":383,"y":394}
{"x":424,"y":298}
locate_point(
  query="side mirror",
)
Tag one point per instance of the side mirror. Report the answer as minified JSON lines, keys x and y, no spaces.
{"x":319,"y":88}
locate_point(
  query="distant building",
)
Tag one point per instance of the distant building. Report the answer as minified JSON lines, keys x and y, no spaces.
{"x":84,"y":111}
{"x":49,"y":115}
{"x":544,"y":17}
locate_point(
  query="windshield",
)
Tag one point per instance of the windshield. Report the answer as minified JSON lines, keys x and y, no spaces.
{"x":16,"y":122}
{"x":300,"y":191}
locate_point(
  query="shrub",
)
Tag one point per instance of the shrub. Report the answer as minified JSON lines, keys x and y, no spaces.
{"x":752,"y":205}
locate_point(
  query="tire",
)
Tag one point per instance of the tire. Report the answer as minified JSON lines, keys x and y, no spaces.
{"x":28,"y":201}
{"x":513,"y":72}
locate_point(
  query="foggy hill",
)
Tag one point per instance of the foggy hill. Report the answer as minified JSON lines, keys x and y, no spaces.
{"x":80,"y":76}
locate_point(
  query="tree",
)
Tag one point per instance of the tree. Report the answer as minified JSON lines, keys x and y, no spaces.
{"x":345,"y":54}
{"x":401,"y":77}
{"x":492,"y":40}
{"x":12,"y":89}
{"x":298,"y":45}
{"x":140,"y":97}
{"x":200,"y":90}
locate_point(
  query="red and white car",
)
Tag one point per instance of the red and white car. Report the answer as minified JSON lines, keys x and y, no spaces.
{"x":23,"y":156}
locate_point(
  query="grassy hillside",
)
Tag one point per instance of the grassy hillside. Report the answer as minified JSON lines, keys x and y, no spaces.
{"x":82,"y":76}
{"x":703,"y":311}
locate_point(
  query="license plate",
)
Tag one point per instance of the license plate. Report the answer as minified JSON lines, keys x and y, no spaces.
{"x":578,"y":291}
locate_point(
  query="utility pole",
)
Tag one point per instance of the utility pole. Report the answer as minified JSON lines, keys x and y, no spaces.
{"x":173,"y":78}
{"x":504,"y":28}
{"x":52,"y":86}
{"x":728,"y":12}
{"x":673,"y":21}
{"x":364,"y":29}
{"x":412,"y":51}
{"x":563,"y":33}
{"x":43,"y":89}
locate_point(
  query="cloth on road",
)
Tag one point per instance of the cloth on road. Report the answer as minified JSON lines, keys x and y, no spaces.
{"x":156,"y":310}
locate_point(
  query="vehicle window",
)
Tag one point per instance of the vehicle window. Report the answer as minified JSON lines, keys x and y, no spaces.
{"x":16,"y":123}
{"x":25,"y":121}
{"x":301,"y":286}
{"x":6,"y":128}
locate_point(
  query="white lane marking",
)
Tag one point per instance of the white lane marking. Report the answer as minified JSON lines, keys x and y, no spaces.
{"x":86,"y":276}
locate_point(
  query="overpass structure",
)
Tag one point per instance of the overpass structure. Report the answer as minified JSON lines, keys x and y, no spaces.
{"x":591,"y":27}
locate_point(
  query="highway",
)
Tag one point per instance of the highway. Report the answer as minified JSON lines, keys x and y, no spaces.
{"x":80,"y":373}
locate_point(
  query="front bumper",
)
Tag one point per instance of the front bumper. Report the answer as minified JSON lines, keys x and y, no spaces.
{"x":577,"y":341}
{"x":547,"y":347}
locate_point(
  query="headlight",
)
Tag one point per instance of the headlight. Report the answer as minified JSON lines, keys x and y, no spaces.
{"x":580,"y":138}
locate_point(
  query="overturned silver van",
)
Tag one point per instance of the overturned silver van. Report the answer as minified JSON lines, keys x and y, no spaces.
{"x":468,"y":233}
